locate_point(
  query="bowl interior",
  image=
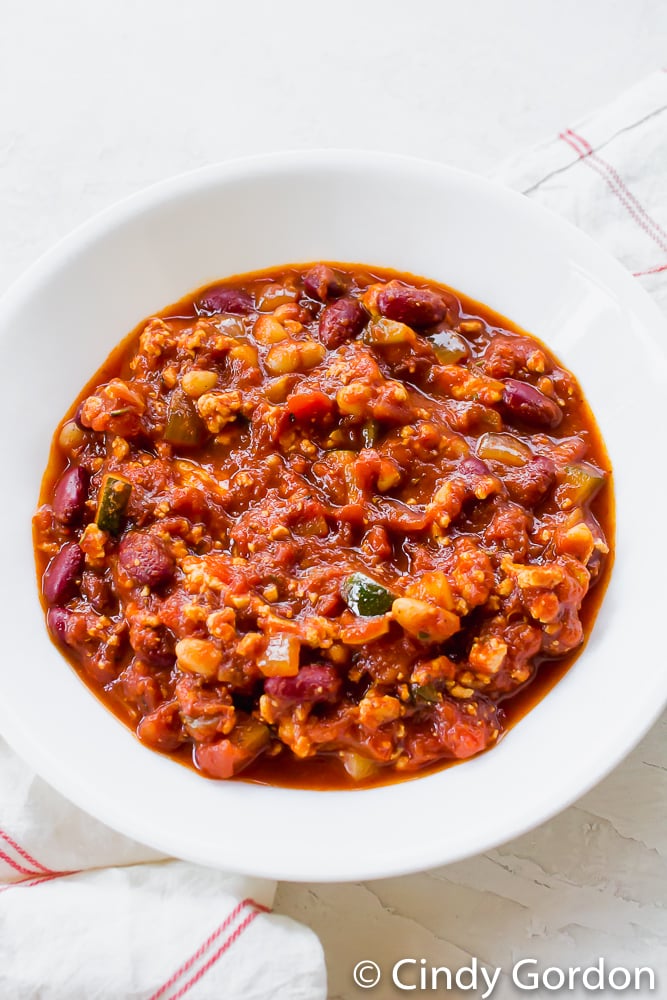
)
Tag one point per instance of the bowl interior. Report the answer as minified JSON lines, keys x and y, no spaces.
{"x":64,"y":316}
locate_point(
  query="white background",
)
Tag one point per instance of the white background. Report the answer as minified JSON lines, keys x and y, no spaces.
{"x":99,"y":98}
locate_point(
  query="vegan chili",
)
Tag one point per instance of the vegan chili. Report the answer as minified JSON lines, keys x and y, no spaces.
{"x":323,"y":525}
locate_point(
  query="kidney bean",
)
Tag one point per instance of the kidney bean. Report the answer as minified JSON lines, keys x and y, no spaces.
{"x":524,"y":401}
{"x":417,"y":307}
{"x":226,"y":300}
{"x":56,"y":620}
{"x":478,"y":479}
{"x":145,"y":558}
{"x":59,"y":582}
{"x":316,"y":683}
{"x":70,"y":495}
{"x":529,"y":483}
{"x":341,"y":320}
{"x":322,"y":282}
{"x":474,"y":467}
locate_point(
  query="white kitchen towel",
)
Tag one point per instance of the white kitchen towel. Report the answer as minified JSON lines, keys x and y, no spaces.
{"x":86,"y":914}
{"x":608,"y":175}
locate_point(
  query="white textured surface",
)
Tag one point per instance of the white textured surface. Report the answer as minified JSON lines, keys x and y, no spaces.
{"x":100,"y":99}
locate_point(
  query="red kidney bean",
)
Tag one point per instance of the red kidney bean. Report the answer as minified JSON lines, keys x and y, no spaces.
{"x":524,"y":401}
{"x":313,"y":684}
{"x":340,"y":321}
{"x":145,"y":558}
{"x":70,"y":495}
{"x":529,"y":483}
{"x":226,"y":300}
{"x":56,"y":620}
{"x":474,"y":466}
{"x":59,"y":582}
{"x":472,"y":470}
{"x":416,"y":307}
{"x":322,"y":282}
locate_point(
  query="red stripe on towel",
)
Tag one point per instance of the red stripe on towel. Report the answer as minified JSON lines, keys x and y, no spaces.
{"x":27,"y":884}
{"x":650,"y":270}
{"x":612,"y":178}
{"x":16,"y":866}
{"x":207,"y":944}
{"x":218,"y":954}
{"x":24,"y":854}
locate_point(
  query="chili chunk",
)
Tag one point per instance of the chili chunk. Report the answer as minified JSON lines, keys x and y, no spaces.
{"x":323,"y":523}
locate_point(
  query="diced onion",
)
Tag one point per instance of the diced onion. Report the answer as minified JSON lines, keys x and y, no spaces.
{"x":503,"y":448}
{"x":358,"y":767}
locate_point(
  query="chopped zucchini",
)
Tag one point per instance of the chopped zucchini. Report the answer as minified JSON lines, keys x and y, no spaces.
{"x":579,"y":484}
{"x":426,"y":692}
{"x":112,"y":503}
{"x":251,"y":735}
{"x":449,"y":347}
{"x":184,"y":425}
{"x":388,"y":331}
{"x":366,"y":597}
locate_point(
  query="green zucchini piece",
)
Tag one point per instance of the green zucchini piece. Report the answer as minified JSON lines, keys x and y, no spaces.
{"x":112,"y":503}
{"x":388,"y":331}
{"x":579,"y":484}
{"x":426,"y":692}
{"x":366,"y":597}
{"x":449,"y":347}
{"x":184,"y":426}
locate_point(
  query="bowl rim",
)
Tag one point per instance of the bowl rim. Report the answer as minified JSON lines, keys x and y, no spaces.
{"x":264,"y":165}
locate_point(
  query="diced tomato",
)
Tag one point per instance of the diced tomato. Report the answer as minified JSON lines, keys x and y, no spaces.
{"x":311,"y":405}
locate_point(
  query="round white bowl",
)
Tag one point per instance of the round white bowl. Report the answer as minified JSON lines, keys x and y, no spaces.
{"x":62,"y":318}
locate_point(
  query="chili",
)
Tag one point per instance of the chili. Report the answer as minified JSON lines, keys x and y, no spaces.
{"x":324,"y":525}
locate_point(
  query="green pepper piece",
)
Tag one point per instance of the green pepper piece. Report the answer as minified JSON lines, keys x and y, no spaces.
{"x":366,"y":597}
{"x":112,"y":503}
{"x":184,"y":425}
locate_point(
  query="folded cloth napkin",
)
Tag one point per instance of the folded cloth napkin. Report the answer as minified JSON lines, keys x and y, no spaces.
{"x":86,"y":914}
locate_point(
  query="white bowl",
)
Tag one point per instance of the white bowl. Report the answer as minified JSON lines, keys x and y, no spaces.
{"x":59,"y":322}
